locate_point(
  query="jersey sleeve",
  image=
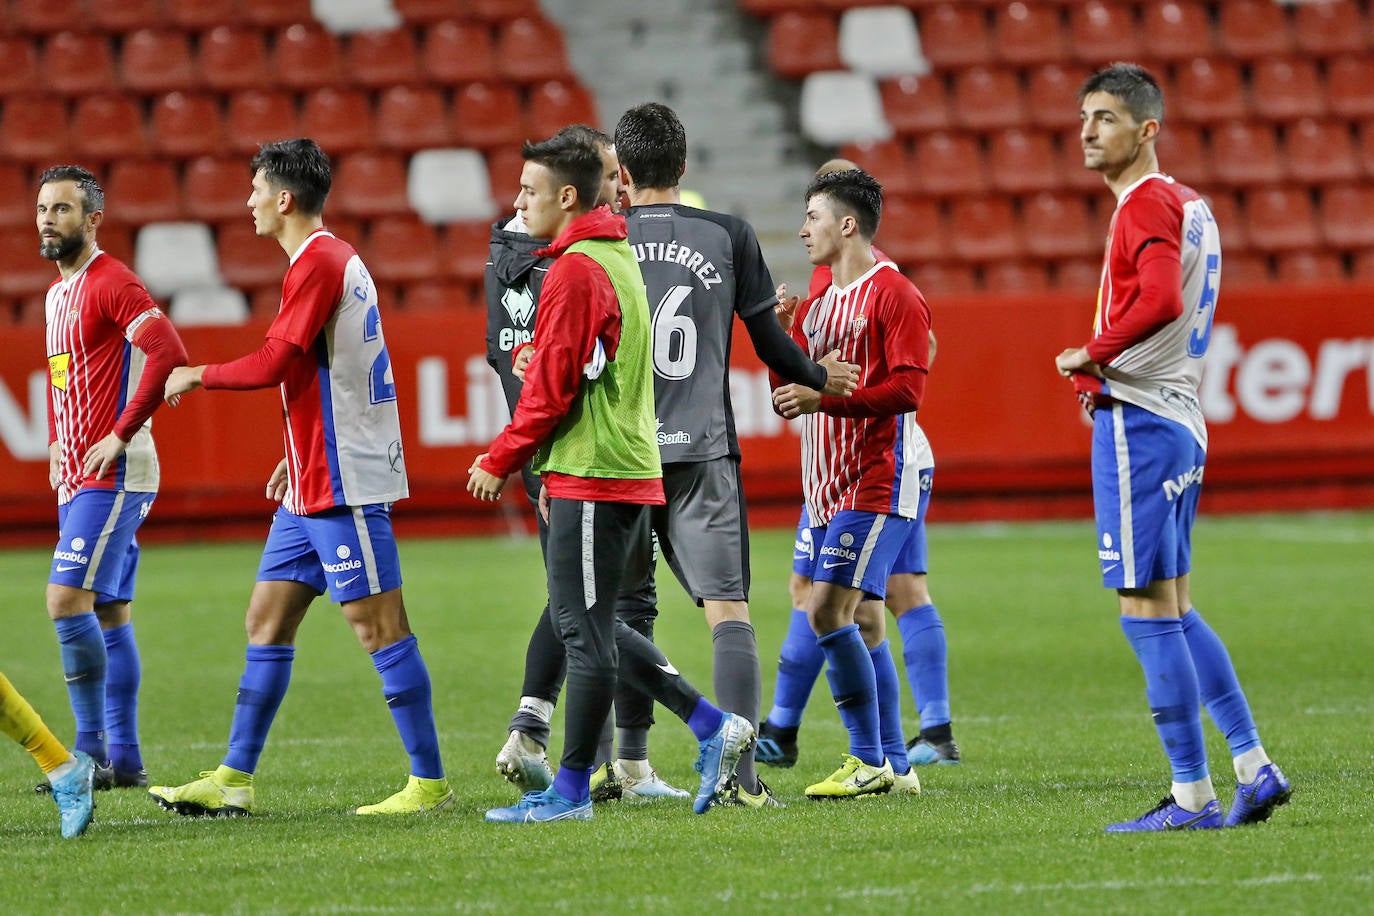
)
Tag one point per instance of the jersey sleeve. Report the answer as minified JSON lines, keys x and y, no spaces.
{"x":1147,"y":217}
{"x":310,"y":294}
{"x":754,"y":288}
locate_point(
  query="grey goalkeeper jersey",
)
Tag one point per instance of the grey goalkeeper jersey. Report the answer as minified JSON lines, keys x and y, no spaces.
{"x":700,"y":269}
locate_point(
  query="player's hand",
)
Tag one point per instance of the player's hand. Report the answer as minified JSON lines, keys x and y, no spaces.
{"x":486,"y":487}
{"x":544,"y":503}
{"x":786,"y":309}
{"x":1076,"y":360}
{"x":521,"y":362}
{"x":182,"y":380}
{"x":842,"y":377}
{"x":278,"y":482}
{"x":103,"y":454}
{"x":791,"y":401}
{"x":54,"y":465}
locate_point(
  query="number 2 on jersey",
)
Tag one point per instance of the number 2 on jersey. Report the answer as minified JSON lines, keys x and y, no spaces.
{"x":379,"y":389}
{"x":675,"y":336}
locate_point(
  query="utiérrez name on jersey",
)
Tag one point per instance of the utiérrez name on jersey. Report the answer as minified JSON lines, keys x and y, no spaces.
{"x":673,"y":253}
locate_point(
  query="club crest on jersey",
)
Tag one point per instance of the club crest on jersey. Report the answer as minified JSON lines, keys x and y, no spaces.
{"x":856,"y":327}
{"x":58,"y":364}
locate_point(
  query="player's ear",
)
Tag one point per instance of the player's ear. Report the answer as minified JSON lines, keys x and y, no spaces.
{"x":567,"y":197}
{"x":286,"y":201}
{"x":1149,"y":130}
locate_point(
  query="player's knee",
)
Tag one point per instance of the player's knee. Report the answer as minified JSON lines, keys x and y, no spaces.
{"x":800,"y":588}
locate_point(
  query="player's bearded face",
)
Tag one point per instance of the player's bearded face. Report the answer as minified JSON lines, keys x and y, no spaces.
{"x":61,"y":220}
{"x":57,"y":246}
{"x":1109,"y":134}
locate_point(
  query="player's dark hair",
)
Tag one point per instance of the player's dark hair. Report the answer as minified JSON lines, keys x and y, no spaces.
{"x":574,"y":158}
{"x":298,"y":166}
{"x":92,"y":195}
{"x":598,"y":138}
{"x":652,"y":146}
{"x":1137,"y":89}
{"x":852,"y":192}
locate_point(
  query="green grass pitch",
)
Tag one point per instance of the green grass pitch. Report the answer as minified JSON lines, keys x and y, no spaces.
{"x":1048,"y":705}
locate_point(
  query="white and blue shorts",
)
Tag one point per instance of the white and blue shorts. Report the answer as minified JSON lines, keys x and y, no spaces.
{"x":349,"y":551}
{"x":911,"y":559}
{"x":96,"y":544}
{"x":858,"y":550}
{"x":1147,"y":477}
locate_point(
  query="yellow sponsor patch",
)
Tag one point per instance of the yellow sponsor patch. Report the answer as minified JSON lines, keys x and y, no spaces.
{"x":57,"y":369}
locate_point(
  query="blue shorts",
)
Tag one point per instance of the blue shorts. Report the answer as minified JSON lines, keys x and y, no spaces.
{"x":911,"y":559}
{"x":349,"y":550}
{"x":859,"y":550}
{"x":1147,"y":477}
{"x":96,"y":545}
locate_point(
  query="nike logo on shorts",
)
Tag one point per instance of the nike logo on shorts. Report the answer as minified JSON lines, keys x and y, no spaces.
{"x":1107,"y":569}
{"x":668,"y":669}
{"x":61,"y":568}
{"x":345,"y":583}
{"x":828,"y":565}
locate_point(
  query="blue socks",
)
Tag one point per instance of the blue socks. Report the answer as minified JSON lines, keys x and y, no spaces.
{"x":266,"y":675}
{"x":573,"y":784}
{"x":1219,"y":686}
{"x":83,"y":665}
{"x":123,"y":674}
{"x":854,"y":686}
{"x":799,"y":664}
{"x":889,"y":706}
{"x":927,"y":667}
{"x":704,"y":720}
{"x":405,"y":682}
{"x":1171,"y":688}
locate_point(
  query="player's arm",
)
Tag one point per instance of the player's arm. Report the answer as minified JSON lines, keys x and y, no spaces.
{"x":1160,"y":301}
{"x":904,"y":333}
{"x":263,"y":368}
{"x":163,"y":350}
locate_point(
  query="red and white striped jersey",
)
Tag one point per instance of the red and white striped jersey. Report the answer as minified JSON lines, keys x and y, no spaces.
{"x":93,"y":370}
{"x":1161,"y":373}
{"x":866,"y":463}
{"x":342,"y":427}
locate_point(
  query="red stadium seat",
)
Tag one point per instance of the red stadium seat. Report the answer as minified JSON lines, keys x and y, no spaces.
{"x":555,"y":104}
{"x":382,"y":58}
{"x":1251,"y":29}
{"x":504,"y":164}
{"x":1183,"y":155}
{"x":1023,"y":161}
{"x":305,"y":56}
{"x":1176,"y":30}
{"x":465,"y":247}
{"x":34,"y":128}
{"x":43,"y":17}
{"x":889,"y":161}
{"x":984,"y":229}
{"x":233,"y":59}
{"x":440,"y":296}
{"x":459,"y":52}
{"x":427,"y":12}
{"x":530,"y":49}
{"x":502,"y":10}
{"x":1052,"y":94}
{"x":75,"y":63}
{"x":257,"y":116}
{"x":401,"y":249}
{"x":246,"y":261}
{"x":370,"y":184}
{"x":412,"y":118}
{"x":937,"y":280}
{"x":1207,"y":90}
{"x":125,"y":16}
{"x":1244,"y":271}
{"x":1078,"y":274}
{"x":1103,"y":32}
{"x":25,"y":273}
{"x":339,"y":120}
{"x":1016,"y":277}
{"x":1320,"y":152}
{"x":108,"y":126}
{"x":486,"y":115}
{"x":1028,"y":33}
{"x":186,"y":124}
{"x":986,"y":98}
{"x":1348,"y":79}
{"x":1060,"y":226}
{"x":17,"y":195}
{"x":1301,"y":268}
{"x":216,"y":188}
{"x":1347,"y":217}
{"x":1245,"y":153}
{"x":144,"y":191}
{"x":1366,"y":148}
{"x":1235,"y":235}
{"x":955,"y":35}
{"x":1325,"y":29}
{"x":1286,"y":88}
{"x":1282,"y":219}
{"x":915,"y":104}
{"x":802,"y":42}
{"x":154,"y":60}
{"x":275,"y":13}
{"x":913,"y":230}
{"x":949,"y":164}
{"x":199,"y":15}
{"x":20,"y":73}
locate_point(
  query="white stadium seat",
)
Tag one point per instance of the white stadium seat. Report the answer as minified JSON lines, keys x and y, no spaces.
{"x":842,"y":107}
{"x":208,"y":305}
{"x":341,"y":16}
{"x":171,"y":257}
{"x":450,"y":186}
{"x":882,"y":41}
